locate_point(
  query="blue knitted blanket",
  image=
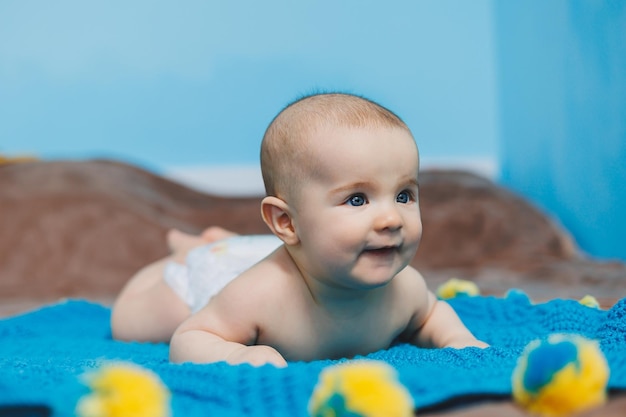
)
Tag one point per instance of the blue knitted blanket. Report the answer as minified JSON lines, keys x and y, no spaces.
{"x":44,"y":353}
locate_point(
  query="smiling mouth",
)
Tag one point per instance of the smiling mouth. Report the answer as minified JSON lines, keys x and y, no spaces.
{"x":386,"y":251}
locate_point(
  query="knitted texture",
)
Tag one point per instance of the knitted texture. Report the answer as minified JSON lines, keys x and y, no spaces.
{"x":43,"y":355}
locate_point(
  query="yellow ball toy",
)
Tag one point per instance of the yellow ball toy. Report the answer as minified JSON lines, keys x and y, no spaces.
{"x":360,"y":389}
{"x":122,"y":389}
{"x":455,"y":287}
{"x":589,"y":301}
{"x":563,"y":375}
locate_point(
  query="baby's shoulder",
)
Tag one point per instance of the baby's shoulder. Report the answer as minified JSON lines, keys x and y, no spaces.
{"x":271,"y":275}
{"x":411,"y":292}
{"x":410,"y":279}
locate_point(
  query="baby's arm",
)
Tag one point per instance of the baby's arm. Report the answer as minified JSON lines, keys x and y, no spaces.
{"x":224,"y":330}
{"x":444,"y":328}
{"x":202,"y":346}
{"x":433,"y":323}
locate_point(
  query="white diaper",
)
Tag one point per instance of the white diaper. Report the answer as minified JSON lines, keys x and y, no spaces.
{"x":209,"y":268}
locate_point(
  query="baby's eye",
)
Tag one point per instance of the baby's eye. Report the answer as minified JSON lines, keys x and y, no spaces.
{"x":356,"y":200}
{"x":404,"y":197}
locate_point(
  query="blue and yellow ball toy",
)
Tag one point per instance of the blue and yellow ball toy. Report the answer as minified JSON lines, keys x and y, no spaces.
{"x":456,"y":287}
{"x":122,"y":390}
{"x":360,"y":389}
{"x":589,"y":301}
{"x":560,"y":376}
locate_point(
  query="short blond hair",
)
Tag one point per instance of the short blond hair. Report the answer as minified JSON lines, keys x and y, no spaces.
{"x":285,"y":156}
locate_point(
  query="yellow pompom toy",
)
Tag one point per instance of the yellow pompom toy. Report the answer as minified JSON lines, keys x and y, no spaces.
{"x":360,"y":389}
{"x":563,"y":375}
{"x":589,"y":301}
{"x":123,"y":389}
{"x":455,"y":287}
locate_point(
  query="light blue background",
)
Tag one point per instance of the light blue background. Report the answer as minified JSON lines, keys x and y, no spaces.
{"x":562,"y":90}
{"x":196,"y":82}
{"x":536,"y":87}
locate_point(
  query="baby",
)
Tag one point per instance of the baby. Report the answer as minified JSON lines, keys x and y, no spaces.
{"x":341,"y":177}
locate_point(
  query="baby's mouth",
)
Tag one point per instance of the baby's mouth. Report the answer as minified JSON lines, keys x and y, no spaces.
{"x":383,"y":251}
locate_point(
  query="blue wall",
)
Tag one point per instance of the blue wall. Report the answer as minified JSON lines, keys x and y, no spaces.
{"x":538,"y":86}
{"x":562,"y":91}
{"x":167,"y":83}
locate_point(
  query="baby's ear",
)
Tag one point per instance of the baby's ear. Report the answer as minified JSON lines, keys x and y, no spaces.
{"x":277,"y":217}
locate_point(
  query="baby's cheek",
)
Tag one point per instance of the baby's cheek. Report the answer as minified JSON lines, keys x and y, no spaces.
{"x":413,"y":234}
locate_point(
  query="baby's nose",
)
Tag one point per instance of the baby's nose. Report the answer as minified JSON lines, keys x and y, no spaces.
{"x":389,"y":218}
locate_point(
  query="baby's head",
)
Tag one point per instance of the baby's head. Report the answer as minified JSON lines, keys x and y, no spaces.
{"x":288,"y":154}
{"x":341,"y":174}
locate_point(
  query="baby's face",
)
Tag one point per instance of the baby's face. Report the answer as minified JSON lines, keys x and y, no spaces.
{"x":357,"y":215}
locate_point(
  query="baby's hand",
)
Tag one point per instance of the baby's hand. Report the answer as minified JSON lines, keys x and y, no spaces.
{"x":257,"y":356}
{"x":461,"y":343}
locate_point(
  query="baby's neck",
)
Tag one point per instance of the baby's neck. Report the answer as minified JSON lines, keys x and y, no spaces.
{"x":342,"y":302}
{"x":342,"y":298}
{"x":336,"y":300}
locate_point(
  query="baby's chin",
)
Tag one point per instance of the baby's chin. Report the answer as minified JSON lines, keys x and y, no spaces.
{"x":378,"y":275}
